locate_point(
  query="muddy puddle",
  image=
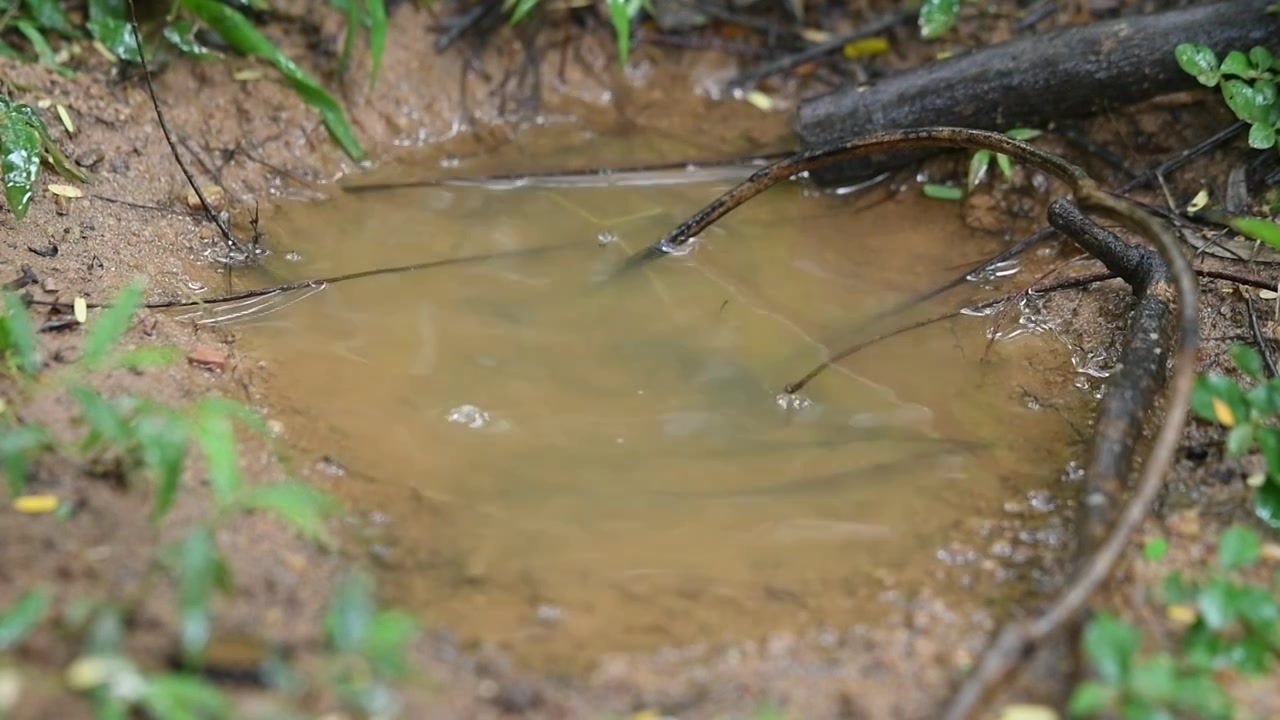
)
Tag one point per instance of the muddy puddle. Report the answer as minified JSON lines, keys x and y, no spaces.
{"x":564,"y":467}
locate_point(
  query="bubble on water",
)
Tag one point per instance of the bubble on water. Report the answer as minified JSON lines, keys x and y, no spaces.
{"x":469,"y":415}
{"x":995,"y":272}
{"x":1032,"y":319}
{"x":605,"y":237}
{"x":1074,"y":472}
{"x":1041,"y":501}
{"x":195,"y":286}
{"x":682,"y":249}
{"x":293,"y":256}
{"x":1099,"y":363}
{"x":793,"y":401}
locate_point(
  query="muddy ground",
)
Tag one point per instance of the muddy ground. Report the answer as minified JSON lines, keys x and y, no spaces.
{"x":259,"y":143}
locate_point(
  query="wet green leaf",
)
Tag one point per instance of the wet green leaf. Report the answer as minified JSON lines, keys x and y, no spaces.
{"x":18,"y":444}
{"x":1154,"y":679}
{"x":354,"y":23}
{"x":162,"y":444}
{"x":1248,"y":360}
{"x":243,"y":36}
{"x":1217,"y":603}
{"x":48,"y":14}
{"x":1236,"y":63}
{"x":1262,"y":136}
{"x":19,"y":161}
{"x":377,"y":37}
{"x":111,"y":325}
{"x":1249,"y":654}
{"x":1202,"y":646}
{"x":1198,"y":61}
{"x":216,"y":438}
{"x":109,"y":24}
{"x":1155,"y":549}
{"x":105,"y":422}
{"x":1258,"y":607}
{"x":197,"y":574}
{"x":350,"y":613}
{"x":1238,"y":547}
{"x":978,"y":166}
{"x":390,"y":635}
{"x":1266,"y":503}
{"x":1090,"y":697}
{"x":1133,"y":708}
{"x":19,"y":619}
{"x":938,"y":191}
{"x":176,"y":696}
{"x":1110,"y":643}
{"x":937,"y":17}
{"x":1250,"y":102}
{"x":1210,"y":386}
{"x":302,"y":506}
{"x":1261,"y":59}
{"x":181,"y":34}
{"x":1240,"y":439}
{"x":1256,"y":228}
{"x":17,"y":336}
{"x":621,"y":12}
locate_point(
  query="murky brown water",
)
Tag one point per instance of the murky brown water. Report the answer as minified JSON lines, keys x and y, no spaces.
{"x":565,"y":468}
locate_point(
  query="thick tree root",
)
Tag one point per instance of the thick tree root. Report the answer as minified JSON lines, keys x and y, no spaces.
{"x":1160,"y":280}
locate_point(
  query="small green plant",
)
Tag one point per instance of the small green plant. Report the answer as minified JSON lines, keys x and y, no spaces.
{"x":1232,"y":626}
{"x":1248,"y":84}
{"x":979,"y":168}
{"x":368,"y":647}
{"x":622,"y":13}
{"x":24,"y":144}
{"x":937,"y":17}
{"x":1250,"y":415}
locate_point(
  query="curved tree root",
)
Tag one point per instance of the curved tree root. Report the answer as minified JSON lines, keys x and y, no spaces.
{"x":1160,"y":279}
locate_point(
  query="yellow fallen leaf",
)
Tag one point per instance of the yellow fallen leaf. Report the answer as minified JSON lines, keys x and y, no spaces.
{"x":81,"y":309}
{"x":35,"y":504}
{"x":66,"y":119}
{"x":814,"y":35}
{"x":760,"y":100}
{"x":1199,"y":202}
{"x":1028,"y":712}
{"x":1256,"y":480}
{"x":866,"y":47}
{"x":67,"y":191}
{"x":645,"y":715}
{"x":247,"y":75}
{"x":1222,"y":411}
{"x":1181,"y":614}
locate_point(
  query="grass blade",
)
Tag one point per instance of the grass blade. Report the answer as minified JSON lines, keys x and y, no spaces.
{"x":21,"y":618}
{"x":243,"y":36}
{"x":303,"y":507}
{"x":18,"y":336}
{"x":377,"y":36}
{"x":111,"y":325}
{"x":217,"y":440}
{"x":49,"y":14}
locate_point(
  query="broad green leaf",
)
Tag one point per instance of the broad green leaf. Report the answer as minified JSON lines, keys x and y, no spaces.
{"x":1240,"y":439}
{"x":177,"y":696}
{"x":1249,"y":654}
{"x":1236,"y":63}
{"x":1256,"y":228}
{"x":386,"y":646}
{"x":1250,"y":102}
{"x":19,"y":619}
{"x":937,"y":17}
{"x":48,"y":14}
{"x":181,"y":34}
{"x":17,"y":445}
{"x":216,"y":437}
{"x":1262,"y":136}
{"x":301,"y":506}
{"x":1090,"y":698}
{"x":1217,"y":603}
{"x":521,"y":9}
{"x":243,"y":36}
{"x":104,"y":420}
{"x":1239,"y":547}
{"x":162,"y":444}
{"x":19,"y":161}
{"x":1201,"y":695}
{"x":1154,"y":679}
{"x":1155,"y":549}
{"x":942,"y":192}
{"x":1202,"y":647}
{"x":109,"y":24}
{"x":197,"y":574}
{"x":1266,"y":503}
{"x":978,"y":166}
{"x":111,"y":325}
{"x":1258,"y":607}
{"x":51,"y":152}
{"x":1269,"y":442}
{"x":1261,"y":59}
{"x":1198,"y":61}
{"x":1230,"y":408}
{"x":1109,"y":644}
{"x":377,"y":37}
{"x":1248,"y":360}
{"x":18,"y":336}
{"x":350,"y":613}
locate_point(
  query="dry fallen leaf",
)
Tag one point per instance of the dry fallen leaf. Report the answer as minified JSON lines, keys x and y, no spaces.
{"x":1028,"y":712}
{"x":68,"y":191}
{"x":65,"y":117}
{"x":81,"y":309}
{"x":1222,"y":412}
{"x":247,"y":75}
{"x":1181,"y":614}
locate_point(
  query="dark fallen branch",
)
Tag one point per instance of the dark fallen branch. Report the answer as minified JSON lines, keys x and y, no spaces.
{"x":1130,"y":393}
{"x":1031,"y":81}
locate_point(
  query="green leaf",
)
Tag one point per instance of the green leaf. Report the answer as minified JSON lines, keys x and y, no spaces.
{"x":1261,"y":59}
{"x":1176,"y":590}
{"x":1249,"y":654}
{"x":48,"y":14}
{"x":177,"y":696}
{"x":1217,"y":603}
{"x":216,"y":438}
{"x":377,"y":36}
{"x":1198,"y":61}
{"x":349,"y":35}
{"x":937,"y":191}
{"x":238,"y":411}
{"x":162,"y":444}
{"x":1024,"y":134}
{"x":1250,"y":102}
{"x":111,"y":325}
{"x":1137,"y":709}
{"x":1204,"y":697}
{"x":109,"y":24}
{"x":1210,"y":386}
{"x":350,"y":614}
{"x":1266,"y":504}
{"x":1236,"y":63}
{"x":148,"y":356}
{"x":19,"y":619}
{"x":937,"y":17}
{"x":978,"y":167}
{"x":244,"y":37}
{"x":20,"y":162}
{"x":386,"y":645}
{"x":104,"y":420}
{"x":1258,"y":607}
{"x":621,"y":13}
{"x":1090,"y":697}
{"x":1262,"y":136}
{"x":1256,"y":228}
{"x":1005,"y":165}
{"x":1154,"y":679}
{"x":1269,"y":442}
{"x":1155,"y":549}
{"x":38,"y":43}
{"x":1110,"y":643}
{"x":1248,"y":360}
{"x":1240,"y":439}
{"x":17,"y":445}
{"x":1239,"y":547}
{"x":181,"y":35}
{"x":197,"y":573}
{"x":18,"y":336}
{"x":301,"y":506}
{"x":521,"y":9}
